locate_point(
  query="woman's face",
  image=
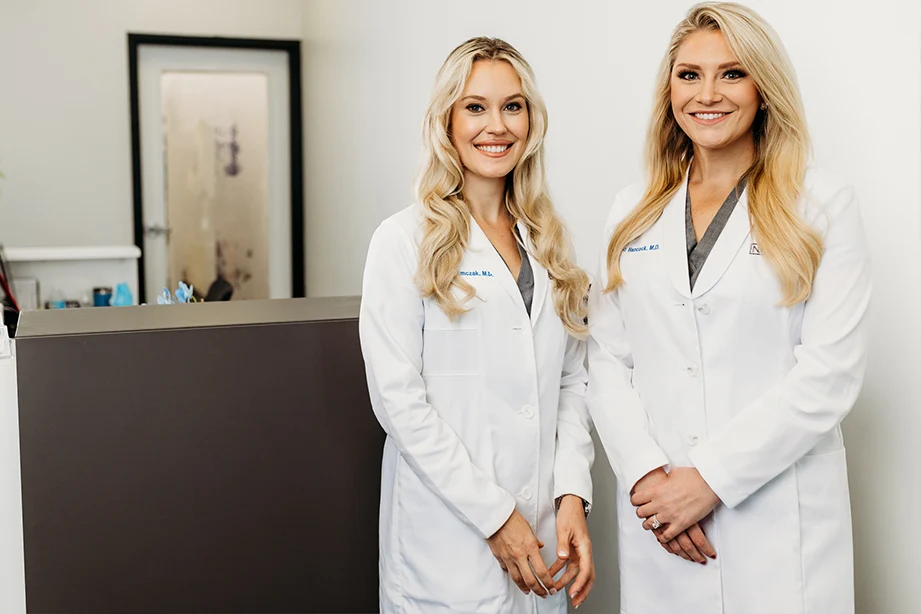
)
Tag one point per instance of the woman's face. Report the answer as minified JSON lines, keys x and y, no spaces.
{"x":489,"y":122}
{"x":714,"y":99}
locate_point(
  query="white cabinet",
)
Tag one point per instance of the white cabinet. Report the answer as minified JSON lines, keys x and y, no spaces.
{"x":12,"y":569}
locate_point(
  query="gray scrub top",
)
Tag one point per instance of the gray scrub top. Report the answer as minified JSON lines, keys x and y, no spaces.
{"x":525,"y":279}
{"x":525,"y":274}
{"x":698,"y":252}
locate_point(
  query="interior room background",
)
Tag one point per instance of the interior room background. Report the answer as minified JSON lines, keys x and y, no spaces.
{"x":368,"y":67}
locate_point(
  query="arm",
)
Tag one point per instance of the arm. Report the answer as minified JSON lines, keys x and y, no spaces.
{"x":575,"y":451}
{"x":618,"y":413}
{"x":390,"y":326}
{"x":782,"y":425}
{"x":616,"y":409}
{"x":572,"y":479}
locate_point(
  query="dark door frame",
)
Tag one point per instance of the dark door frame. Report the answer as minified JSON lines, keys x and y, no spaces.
{"x":293,"y":49}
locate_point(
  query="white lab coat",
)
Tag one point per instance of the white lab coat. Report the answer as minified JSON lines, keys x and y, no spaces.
{"x":483,"y":414}
{"x":749,"y":392}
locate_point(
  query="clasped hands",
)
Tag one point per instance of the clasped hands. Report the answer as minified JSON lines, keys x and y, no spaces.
{"x":518,"y":551}
{"x":679,"y":500}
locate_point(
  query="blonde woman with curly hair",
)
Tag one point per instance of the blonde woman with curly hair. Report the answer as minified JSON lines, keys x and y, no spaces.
{"x":728,"y":340}
{"x":471,"y":318}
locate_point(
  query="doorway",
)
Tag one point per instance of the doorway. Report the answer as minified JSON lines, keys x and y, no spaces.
{"x":217,"y":165}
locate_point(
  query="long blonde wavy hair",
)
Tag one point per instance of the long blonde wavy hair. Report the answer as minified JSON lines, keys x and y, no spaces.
{"x":440,"y":186}
{"x":782,"y":147}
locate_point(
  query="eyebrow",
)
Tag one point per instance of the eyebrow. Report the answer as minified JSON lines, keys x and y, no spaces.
{"x":507,"y":98}
{"x":722,"y":66}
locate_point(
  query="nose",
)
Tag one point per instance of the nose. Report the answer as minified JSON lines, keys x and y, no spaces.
{"x":709,"y":92}
{"x":495,"y":123}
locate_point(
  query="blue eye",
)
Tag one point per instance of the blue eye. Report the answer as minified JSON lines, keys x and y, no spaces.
{"x":474,"y":107}
{"x":687,"y":75}
{"x":513,"y":106}
{"x":734,"y":74}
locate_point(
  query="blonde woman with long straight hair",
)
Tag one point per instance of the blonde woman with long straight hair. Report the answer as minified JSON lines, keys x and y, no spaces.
{"x":728,"y":340}
{"x":471,"y":317}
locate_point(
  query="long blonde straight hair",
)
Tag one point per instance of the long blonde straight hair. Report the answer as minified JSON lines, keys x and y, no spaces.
{"x":782,"y":147}
{"x":440,"y":185}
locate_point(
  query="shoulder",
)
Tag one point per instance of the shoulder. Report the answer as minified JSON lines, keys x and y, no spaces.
{"x":826,"y":197}
{"x":397,"y":237}
{"x":404,"y":226}
{"x":625,"y":201}
{"x":820,"y":185}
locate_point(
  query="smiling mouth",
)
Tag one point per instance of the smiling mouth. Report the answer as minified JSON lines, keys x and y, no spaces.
{"x":494,"y":149}
{"x":709,"y":117}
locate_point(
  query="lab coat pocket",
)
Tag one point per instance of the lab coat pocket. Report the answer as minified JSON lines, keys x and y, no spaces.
{"x":450,"y":351}
{"x":825,"y":528}
{"x":445,"y":565}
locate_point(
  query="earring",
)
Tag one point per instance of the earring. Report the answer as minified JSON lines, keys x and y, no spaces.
{"x":764,"y":106}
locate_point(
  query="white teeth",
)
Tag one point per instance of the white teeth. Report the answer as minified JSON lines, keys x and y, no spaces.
{"x":493,"y":148}
{"x":708,"y":115}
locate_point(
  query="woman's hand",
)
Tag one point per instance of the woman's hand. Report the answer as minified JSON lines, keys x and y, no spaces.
{"x":518,"y":550}
{"x":680,"y":501}
{"x":691,"y":544}
{"x":574,"y":549}
{"x":653,"y":478}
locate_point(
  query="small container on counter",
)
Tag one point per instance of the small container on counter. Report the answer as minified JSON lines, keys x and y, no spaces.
{"x":102,"y":296}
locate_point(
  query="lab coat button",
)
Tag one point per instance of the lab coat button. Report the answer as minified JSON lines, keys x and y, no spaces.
{"x":527,"y":411}
{"x":692,"y":371}
{"x":704,"y":309}
{"x":692,"y":440}
{"x":526,"y":493}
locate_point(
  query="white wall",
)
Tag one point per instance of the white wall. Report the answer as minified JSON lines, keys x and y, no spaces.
{"x":65,"y":144}
{"x":368,"y":70}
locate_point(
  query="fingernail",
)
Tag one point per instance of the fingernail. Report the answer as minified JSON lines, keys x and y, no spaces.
{"x":553,"y":591}
{"x":562,"y":553}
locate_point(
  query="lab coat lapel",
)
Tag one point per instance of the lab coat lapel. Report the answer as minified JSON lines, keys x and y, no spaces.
{"x":541,"y":276}
{"x":675,"y":241}
{"x":736,"y":231}
{"x":489,"y":258}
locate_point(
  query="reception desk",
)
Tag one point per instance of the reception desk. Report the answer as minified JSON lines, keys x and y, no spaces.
{"x":214,"y":457}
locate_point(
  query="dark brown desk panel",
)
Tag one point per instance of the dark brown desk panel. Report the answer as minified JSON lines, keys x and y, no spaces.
{"x":228,"y":469}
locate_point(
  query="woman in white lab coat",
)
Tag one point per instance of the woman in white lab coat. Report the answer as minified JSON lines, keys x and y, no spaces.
{"x":728,"y":340}
{"x":471,"y":309}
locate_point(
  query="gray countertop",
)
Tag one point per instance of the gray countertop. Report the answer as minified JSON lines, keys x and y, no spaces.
{"x":93,"y":320}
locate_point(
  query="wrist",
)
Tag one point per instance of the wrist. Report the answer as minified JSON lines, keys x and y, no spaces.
{"x":711,"y":494}
{"x":567,"y":500}
{"x":570,"y":503}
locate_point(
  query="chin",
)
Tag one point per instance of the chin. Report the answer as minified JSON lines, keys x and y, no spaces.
{"x":493,"y":172}
{"x":710,"y":143}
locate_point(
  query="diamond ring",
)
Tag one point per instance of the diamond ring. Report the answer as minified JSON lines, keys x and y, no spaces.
{"x":655,"y":523}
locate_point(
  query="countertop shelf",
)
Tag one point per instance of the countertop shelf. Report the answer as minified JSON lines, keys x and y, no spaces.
{"x":54,"y":254}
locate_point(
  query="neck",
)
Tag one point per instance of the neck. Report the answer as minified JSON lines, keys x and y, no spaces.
{"x":723,"y":165}
{"x":485,"y":197}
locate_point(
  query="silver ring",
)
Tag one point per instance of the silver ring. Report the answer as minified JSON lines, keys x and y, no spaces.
{"x":655,"y":523}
